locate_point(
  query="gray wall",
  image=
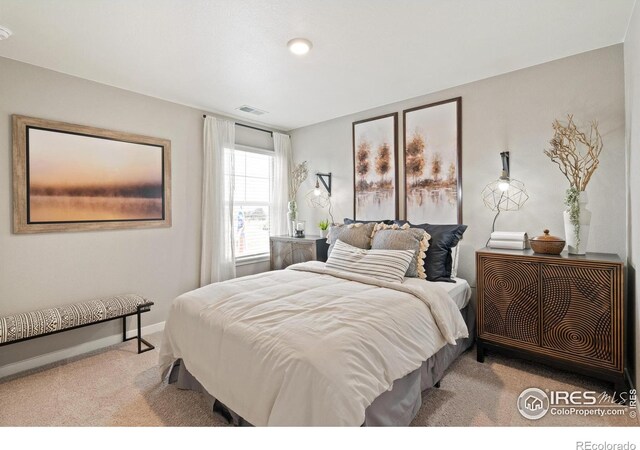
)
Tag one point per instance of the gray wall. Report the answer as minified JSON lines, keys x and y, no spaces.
{"x":49,"y":269}
{"x":632,"y":84}
{"x":511,"y":112}
{"x":54,"y":268}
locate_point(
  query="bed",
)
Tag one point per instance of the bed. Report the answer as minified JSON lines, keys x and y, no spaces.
{"x":311,"y":346}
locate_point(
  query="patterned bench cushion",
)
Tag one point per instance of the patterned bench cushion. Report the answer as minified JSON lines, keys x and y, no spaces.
{"x":35,"y":323}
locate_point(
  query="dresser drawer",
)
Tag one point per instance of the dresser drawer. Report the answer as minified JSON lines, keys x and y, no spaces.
{"x":509,"y":304}
{"x":578,"y":306}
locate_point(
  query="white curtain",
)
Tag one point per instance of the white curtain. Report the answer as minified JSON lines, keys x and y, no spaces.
{"x":280,"y":184}
{"x":217,"y":262}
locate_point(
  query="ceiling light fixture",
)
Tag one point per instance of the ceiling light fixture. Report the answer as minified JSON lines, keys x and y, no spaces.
{"x":299,"y":46}
{"x":5,"y":33}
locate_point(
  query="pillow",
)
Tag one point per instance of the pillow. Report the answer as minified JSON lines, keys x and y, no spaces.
{"x":438,"y":262}
{"x":455,"y":255}
{"x":356,"y":234}
{"x":394,"y":237}
{"x":350,"y":221}
{"x":385,"y":265}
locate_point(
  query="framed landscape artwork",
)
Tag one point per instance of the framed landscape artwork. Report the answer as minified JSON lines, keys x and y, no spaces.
{"x":375,"y":144}
{"x":71,"y":178}
{"x":432,"y":162}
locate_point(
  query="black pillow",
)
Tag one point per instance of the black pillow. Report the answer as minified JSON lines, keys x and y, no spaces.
{"x":350,"y":221}
{"x":438,"y":261}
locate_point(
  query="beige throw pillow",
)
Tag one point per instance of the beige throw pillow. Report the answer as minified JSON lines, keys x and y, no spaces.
{"x":395,"y":237}
{"x":355,"y":234}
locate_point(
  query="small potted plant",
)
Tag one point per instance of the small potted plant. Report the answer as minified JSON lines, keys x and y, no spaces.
{"x":324,"y":227}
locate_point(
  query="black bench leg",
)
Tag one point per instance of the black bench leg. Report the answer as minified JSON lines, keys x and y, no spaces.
{"x":148,"y":345}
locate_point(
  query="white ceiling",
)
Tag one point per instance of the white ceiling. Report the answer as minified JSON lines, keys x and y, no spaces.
{"x":220,"y":54}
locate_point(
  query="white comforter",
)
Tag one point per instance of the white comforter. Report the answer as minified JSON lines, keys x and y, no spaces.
{"x":307,"y":345}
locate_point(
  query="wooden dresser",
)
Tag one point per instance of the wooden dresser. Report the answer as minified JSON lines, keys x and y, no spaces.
{"x":287,"y":250}
{"x":566,"y":311}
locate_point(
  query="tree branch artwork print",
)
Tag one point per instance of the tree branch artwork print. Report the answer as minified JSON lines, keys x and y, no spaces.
{"x":375,"y":170}
{"x":432,"y":163}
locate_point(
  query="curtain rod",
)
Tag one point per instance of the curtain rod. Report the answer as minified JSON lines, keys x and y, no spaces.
{"x":248,"y":126}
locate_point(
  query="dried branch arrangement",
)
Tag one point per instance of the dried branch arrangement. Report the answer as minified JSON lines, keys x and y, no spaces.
{"x":578,"y":166}
{"x":298,"y":175}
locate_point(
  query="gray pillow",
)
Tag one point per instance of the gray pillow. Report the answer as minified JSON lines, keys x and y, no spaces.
{"x":355,"y":234}
{"x":404,"y":239}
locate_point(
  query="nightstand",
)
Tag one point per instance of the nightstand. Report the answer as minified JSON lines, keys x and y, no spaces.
{"x":286,"y":250}
{"x":565,"y":311}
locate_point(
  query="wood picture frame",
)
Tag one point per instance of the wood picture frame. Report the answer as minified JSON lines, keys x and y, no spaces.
{"x":69,"y":177}
{"x":375,"y":152}
{"x":433,"y":144}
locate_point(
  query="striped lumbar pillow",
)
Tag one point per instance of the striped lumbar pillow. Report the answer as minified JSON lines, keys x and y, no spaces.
{"x":386,"y":265}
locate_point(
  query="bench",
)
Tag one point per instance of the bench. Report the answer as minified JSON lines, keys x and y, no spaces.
{"x":34,"y":324}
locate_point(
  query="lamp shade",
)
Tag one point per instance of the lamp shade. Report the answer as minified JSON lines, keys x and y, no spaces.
{"x":317,"y":199}
{"x":497,"y":198}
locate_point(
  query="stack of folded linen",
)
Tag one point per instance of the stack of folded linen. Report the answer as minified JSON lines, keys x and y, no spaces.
{"x":515,"y":240}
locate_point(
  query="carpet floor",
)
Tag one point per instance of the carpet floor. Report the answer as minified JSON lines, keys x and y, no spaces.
{"x":117,"y":387}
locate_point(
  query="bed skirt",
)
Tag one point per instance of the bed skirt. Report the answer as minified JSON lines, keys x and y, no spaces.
{"x":396,"y":407}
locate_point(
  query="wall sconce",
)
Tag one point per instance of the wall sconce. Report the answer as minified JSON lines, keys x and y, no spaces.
{"x":505,"y":193}
{"x":319,"y":198}
{"x":325,"y":179}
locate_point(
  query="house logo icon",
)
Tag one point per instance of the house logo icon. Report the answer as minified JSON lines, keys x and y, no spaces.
{"x":533,"y":403}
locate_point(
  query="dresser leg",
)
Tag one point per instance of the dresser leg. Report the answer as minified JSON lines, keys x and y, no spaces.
{"x":479,"y":352}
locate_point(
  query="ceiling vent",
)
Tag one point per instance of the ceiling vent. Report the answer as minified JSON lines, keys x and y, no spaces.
{"x":251,"y":110}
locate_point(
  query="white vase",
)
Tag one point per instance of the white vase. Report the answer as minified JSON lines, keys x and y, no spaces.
{"x":577,"y":245}
{"x":292,"y":215}
{"x":323,"y":233}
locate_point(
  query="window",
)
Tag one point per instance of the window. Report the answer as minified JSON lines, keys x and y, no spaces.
{"x":251,"y":198}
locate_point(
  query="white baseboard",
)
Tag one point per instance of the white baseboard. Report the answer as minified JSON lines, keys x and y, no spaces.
{"x":59,"y":355}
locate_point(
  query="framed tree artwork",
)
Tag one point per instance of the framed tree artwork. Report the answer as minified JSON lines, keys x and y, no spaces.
{"x":70,"y":177}
{"x":433,"y":162}
{"x":375,"y":171}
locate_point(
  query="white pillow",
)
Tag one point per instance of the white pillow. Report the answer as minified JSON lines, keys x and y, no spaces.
{"x":386,"y":265}
{"x":455,"y":253}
